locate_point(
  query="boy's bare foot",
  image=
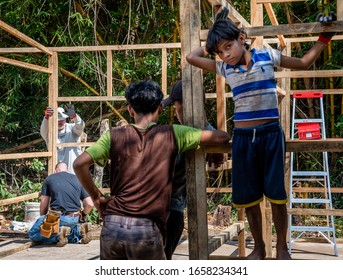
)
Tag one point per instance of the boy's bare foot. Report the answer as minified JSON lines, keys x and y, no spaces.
{"x":283,"y":255}
{"x":257,"y":254}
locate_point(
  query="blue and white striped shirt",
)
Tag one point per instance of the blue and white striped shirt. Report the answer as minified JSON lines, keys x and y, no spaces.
{"x":254,"y":90}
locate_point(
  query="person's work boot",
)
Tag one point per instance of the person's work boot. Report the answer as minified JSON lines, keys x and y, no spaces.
{"x":85,"y":233}
{"x":64,"y":232}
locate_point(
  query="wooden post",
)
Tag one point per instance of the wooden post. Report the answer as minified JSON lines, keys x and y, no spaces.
{"x":194,"y":115}
{"x":109,"y":72}
{"x":339,"y":10}
{"x":53,"y":95}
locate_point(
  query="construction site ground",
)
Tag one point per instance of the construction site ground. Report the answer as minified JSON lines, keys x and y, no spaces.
{"x":17,"y":246}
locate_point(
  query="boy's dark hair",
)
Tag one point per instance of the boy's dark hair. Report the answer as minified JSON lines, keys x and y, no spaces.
{"x":222,"y":29}
{"x":144,"y":97}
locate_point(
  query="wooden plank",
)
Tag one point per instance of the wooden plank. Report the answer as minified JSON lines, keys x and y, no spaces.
{"x":53,"y":123}
{"x":25,"y":65}
{"x":288,"y":29}
{"x":109,"y":63}
{"x":164,"y":71}
{"x":90,"y":98}
{"x":224,"y":236}
{"x":23,"y":37}
{"x":19,"y":248}
{"x":274,"y":21}
{"x":256,"y":19}
{"x":234,"y":15}
{"x":336,"y":91}
{"x":309,"y":74}
{"x":194,"y":115}
{"x":329,"y":145}
{"x":293,"y":29}
{"x":219,"y":190}
{"x":278,"y":1}
{"x":339,"y":10}
{"x":316,"y":190}
{"x":17,"y":199}
{"x":313,"y":212}
{"x":25,"y":155}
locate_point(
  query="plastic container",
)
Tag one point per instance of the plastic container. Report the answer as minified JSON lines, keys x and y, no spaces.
{"x":309,"y":131}
{"x":32,"y":211}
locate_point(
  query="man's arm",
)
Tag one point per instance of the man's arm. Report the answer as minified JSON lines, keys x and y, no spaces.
{"x":197,"y":58}
{"x":44,"y":204}
{"x":81,"y":167}
{"x":78,"y":126}
{"x":44,"y":129}
{"x":214,"y":137}
{"x":87,"y":205}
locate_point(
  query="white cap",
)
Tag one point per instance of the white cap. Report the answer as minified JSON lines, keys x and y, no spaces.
{"x":61,"y":115}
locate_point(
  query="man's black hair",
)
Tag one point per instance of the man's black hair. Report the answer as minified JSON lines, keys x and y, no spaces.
{"x":144,"y":97}
{"x":222,"y":29}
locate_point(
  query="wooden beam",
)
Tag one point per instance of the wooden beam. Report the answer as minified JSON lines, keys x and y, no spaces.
{"x":23,"y":37}
{"x":25,"y":155}
{"x":194,"y":115}
{"x":315,"y":212}
{"x":90,"y":98}
{"x":294,"y":29}
{"x":328,"y":145}
{"x":274,"y":21}
{"x":277,"y":1}
{"x":109,"y":63}
{"x":18,"y":199}
{"x":316,"y":190}
{"x":25,"y":65}
{"x":287,"y":29}
{"x":233,"y":14}
{"x":164,"y":57}
{"x":339,"y":10}
{"x":309,"y":74}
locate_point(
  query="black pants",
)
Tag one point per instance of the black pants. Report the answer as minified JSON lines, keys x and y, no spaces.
{"x":175,"y":226}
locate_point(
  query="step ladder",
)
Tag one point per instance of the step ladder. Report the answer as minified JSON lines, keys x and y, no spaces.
{"x":319,"y":201}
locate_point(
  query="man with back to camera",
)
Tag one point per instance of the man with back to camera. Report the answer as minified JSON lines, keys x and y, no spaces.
{"x":61,"y":197}
{"x":142,"y":159}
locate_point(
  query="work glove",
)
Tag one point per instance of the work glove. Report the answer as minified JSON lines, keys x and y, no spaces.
{"x":48,"y":112}
{"x":326,"y":19}
{"x":70,"y":111}
{"x":325,"y":37}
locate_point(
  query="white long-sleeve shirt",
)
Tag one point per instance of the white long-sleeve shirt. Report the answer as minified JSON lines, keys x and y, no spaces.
{"x":70,"y":134}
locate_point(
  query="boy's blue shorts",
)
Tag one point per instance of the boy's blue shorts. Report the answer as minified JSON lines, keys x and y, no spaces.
{"x":258,"y":156}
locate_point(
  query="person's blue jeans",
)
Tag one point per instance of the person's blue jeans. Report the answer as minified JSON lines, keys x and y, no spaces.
{"x":69,"y":221}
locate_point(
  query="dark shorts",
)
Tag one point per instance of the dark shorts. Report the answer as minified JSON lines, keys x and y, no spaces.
{"x":128,"y":238}
{"x":258,"y":156}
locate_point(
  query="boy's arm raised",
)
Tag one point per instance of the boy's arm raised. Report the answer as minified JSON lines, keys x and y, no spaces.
{"x":197,"y":59}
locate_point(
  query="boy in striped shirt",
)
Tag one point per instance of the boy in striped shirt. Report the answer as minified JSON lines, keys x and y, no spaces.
{"x":258,"y":147}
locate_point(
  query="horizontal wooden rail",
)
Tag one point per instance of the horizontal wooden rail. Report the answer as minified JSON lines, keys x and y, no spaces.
{"x":316,"y":190}
{"x":316,"y":212}
{"x":17,"y":199}
{"x":286,"y":29}
{"x":328,"y":145}
{"x":311,"y":212}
